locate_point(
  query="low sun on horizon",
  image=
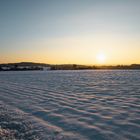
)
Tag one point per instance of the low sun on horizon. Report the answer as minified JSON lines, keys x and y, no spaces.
{"x":101,"y":58}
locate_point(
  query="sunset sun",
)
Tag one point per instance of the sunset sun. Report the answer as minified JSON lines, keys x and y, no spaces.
{"x":101,"y":58}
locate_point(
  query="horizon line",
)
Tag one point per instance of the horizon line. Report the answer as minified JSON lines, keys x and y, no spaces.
{"x":71,"y":64}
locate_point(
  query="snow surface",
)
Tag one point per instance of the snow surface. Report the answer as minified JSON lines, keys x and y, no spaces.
{"x":70,"y":105}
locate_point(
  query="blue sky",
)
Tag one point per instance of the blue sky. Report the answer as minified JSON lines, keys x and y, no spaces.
{"x":26,"y":27}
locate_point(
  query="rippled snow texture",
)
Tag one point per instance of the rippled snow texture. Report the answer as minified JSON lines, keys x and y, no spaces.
{"x":70,"y":105}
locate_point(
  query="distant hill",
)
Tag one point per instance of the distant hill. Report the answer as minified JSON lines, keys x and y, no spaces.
{"x":25,"y":64}
{"x":43,"y":66}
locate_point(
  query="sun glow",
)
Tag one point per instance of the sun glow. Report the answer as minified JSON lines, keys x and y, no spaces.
{"x":101,"y":58}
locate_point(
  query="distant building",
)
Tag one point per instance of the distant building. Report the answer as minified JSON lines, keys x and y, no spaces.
{"x":24,"y":67}
{"x":46,"y":68}
{"x":5,"y":68}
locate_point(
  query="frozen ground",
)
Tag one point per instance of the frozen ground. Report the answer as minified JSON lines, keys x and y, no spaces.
{"x":70,"y":105}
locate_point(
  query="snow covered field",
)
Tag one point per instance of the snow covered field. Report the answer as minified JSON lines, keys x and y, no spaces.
{"x":70,"y":105}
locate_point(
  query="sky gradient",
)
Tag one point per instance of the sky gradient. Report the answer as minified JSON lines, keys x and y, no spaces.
{"x":70,"y":31}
